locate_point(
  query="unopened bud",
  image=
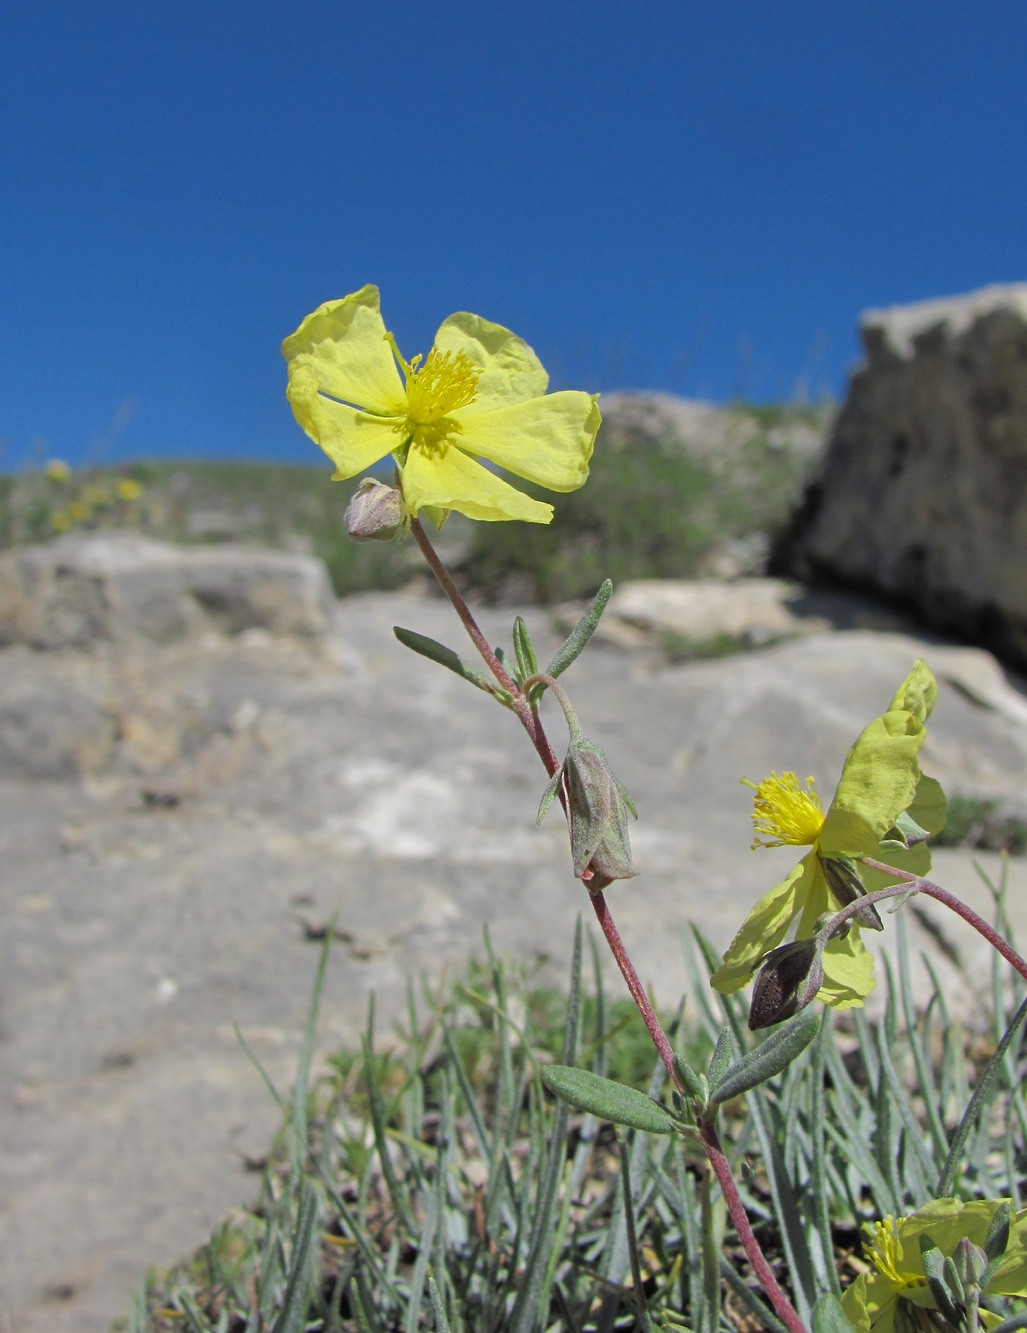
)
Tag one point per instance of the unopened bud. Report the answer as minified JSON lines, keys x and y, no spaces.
{"x":597,"y":806}
{"x":844,"y":882}
{"x":375,"y":514}
{"x":787,"y":982}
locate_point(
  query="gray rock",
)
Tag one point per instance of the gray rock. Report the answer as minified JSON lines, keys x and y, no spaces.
{"x":715,"y":435}
{"x":55,"y":724}
{"x":85,"y":589}
{"x":749,"y":612}
{"x":923,"y":493}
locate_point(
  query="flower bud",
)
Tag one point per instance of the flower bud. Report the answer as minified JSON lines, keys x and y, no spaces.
{"x":788,"y":981}
{"x":597,"y":807}
{"x":844,"y":882}
{"x":375,"y":513}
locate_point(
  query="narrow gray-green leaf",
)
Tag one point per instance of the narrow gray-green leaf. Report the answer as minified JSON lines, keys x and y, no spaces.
{"x":609,"y":1100}
{"x":293,"y":1314}
{"x":720,"y":1061}
{"x":524,"y":650}
{"x":582,"y":631}
{"x":979,"y":1099}
{"x":769,"y":1058}
{"x":438,"y":652}
{"x":693,"y":1083}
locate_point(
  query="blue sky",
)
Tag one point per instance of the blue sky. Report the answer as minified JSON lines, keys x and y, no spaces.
{"x":697,"y":197}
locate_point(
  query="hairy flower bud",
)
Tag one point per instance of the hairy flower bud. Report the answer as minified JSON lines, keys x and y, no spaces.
{"x":375,"y":513}
{"x":597,"y":807}
{"x":787,"y":982}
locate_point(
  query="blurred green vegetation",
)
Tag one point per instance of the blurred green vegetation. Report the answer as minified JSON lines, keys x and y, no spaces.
{"x":648,"y":511}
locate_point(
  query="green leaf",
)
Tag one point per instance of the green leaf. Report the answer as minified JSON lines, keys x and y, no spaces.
{"x":524,"y":650}
{"x":293,"y":1314}
{"x":694,"y":1084}
{"x":609,"y":1100}
{"x":909,"y":830}
{"x":582,"y":632}
{"x":978,"y":1101}
{"x":720,"y":1060}
{"x":829,"y":1317}
{"x":769,"y":1058}
{"x":438,"y":652}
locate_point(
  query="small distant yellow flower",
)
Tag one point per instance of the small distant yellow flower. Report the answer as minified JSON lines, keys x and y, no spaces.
{"x":57,"y":470}
{"x":880,"y":780}
{"x":480,"y":394}
{"x":95,"y":496}
{"x":60,"y":520}
{"x":128,"y":489}
{"x":887,"y":1298}
{"x":79,"y":512}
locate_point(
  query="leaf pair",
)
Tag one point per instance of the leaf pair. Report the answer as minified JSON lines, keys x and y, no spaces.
{"x":524,"y":652}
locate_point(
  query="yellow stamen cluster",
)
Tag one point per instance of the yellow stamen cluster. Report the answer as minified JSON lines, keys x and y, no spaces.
{"x":784,"y":813}
{"x":445,"y":382}
{"x":881,"y":1249}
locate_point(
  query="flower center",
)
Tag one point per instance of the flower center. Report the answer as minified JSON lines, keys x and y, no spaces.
{"x":784,"y":813}
{"x":446,"y":381}
{"x":881,"y":1249}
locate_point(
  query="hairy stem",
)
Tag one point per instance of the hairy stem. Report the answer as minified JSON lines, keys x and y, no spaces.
{"x":915,"y":884}
{"x":527,"y":713}
{"x":722,"y":1169}
{"x":627,"y":969}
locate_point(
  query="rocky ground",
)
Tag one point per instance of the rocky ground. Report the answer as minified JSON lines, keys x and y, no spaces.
{"x":162,"y":893}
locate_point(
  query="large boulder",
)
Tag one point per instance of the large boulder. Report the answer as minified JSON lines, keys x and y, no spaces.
{"x":113,"y":587}
{"x":923,"y":492}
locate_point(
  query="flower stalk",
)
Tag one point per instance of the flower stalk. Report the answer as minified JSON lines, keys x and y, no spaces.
{"x":527,"y":714}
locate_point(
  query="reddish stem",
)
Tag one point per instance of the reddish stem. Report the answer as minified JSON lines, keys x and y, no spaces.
{"x":735,"y":1206}
{"x":462,"y":609}
{"x":528,"y":715}
{"x":627,"y":969}
{"x":916,"y":884}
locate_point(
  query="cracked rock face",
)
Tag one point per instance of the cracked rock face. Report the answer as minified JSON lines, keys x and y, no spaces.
{"x":923,"y":490}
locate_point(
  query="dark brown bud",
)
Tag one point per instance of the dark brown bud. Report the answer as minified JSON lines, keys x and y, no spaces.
{"x":787,"y":981}
{"x":844,"y":882}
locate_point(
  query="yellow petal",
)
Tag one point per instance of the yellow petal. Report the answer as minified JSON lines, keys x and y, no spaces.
{"x":343,"y":345}
{"x":848,"y":972}
{"x":917,"y":692}
{"x":509,"y":371}
{"x":764,"y":928}
{"x":447,"y":479}
{"x":351,"y":439}
{"x":546,"y":440}
{"x":878,"y":782}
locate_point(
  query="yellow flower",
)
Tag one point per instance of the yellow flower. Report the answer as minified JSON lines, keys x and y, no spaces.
{"x":128,"y":489}
{"x":57,"y":470}
{"x":889,"y":1296}
{"x":479,"y":394}
{"x":880,"y":781}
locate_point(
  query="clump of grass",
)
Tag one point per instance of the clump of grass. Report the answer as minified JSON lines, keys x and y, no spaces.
{"x":678,"y":647}
{"x":983,"y":825}
{"x":648,"y":511}
{"x":429,"y":1181}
